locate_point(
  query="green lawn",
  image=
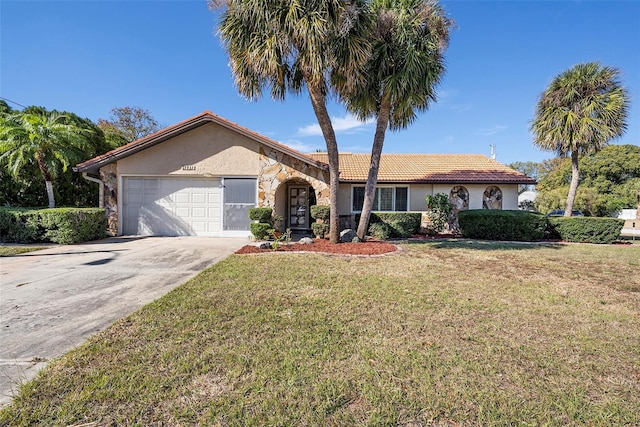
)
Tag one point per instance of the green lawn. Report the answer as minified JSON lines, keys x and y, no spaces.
{"x":17,"y":250}
{"x":443,"y":334}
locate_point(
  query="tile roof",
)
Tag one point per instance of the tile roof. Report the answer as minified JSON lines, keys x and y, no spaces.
{"x":431,"y":168}
{"x":461,"y":168}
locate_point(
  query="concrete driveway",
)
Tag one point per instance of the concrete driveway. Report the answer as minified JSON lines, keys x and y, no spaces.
{"x":53,"y":300}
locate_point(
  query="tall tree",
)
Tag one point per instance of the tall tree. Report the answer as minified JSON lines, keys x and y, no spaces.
{"x":582,"y":110}
{"x":408,"y":39}
{"x":127,"y":124}
{"x":609,"y":181}
{"x":46,"y":138}
{"x":288,"y":45}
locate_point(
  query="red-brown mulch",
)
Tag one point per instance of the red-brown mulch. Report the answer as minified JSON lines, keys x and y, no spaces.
{"x":370,"y":247}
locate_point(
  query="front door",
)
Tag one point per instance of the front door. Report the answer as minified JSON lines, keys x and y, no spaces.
{"x":298,"y":207}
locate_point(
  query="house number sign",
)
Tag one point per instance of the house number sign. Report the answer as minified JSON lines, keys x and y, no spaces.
{"x":188,"y":167}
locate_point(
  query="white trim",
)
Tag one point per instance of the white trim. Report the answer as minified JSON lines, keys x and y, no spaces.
{"x":407,"y":186}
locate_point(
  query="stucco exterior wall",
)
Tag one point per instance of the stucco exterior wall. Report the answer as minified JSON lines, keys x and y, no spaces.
{"x":209,"y":149}
{"x":476,"y":194}
{"x":418,"y":194}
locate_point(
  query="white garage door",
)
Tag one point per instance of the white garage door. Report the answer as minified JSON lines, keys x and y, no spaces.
{"x":171,"y":206}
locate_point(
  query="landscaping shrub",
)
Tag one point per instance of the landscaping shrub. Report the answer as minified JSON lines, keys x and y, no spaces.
{"x":320,"y":212}
{"x":486,"y":224}
{"x":320,"y":230}
{"x":19,"y":226}
{"x":398,"y":224}
{"x":261,"y":215}
{"x":261,"y":230}
{"x":73,"y":225}
{"x":60,"y":225}
{"x":585,"y":229}
{"x":438,"y":210}
{"x":380,"y":230}
{"x":264,"y":227}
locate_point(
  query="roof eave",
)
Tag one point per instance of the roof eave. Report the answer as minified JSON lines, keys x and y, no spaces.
{"x":94,"y":165}
{"x":439,"y":181}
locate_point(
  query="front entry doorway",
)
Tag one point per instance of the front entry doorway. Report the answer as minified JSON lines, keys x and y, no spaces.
{"x":298,"y":209}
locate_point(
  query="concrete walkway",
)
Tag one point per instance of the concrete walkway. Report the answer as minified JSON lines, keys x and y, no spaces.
{"x":53,"y":300}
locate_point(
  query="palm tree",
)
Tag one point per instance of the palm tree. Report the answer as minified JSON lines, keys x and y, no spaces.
{"x":408,"y":42}
{"x":287,"y":45}
{"x":581,"y":111}
{"x":48,"y":138}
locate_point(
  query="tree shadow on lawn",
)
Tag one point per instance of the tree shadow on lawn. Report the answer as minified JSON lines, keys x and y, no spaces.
{"x":484,"y":245}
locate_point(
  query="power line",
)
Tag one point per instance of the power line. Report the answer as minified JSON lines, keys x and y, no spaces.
{"x":13,"y":102}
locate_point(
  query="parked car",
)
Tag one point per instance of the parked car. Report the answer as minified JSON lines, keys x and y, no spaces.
{"x":560,"y":212}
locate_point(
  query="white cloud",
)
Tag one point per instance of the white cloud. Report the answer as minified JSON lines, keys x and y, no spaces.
{"x":301,"y":146}
{"x":491,"y":131}
{"x":346,"y":124}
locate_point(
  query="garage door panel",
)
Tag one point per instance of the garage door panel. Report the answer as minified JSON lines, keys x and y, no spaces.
{"x":182,"y":197}
{"x":199,"y":198}
{"x":171,"y":206}
{"x":199,"y":212}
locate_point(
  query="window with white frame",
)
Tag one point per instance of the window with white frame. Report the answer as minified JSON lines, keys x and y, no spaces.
{"x":386,"y":199}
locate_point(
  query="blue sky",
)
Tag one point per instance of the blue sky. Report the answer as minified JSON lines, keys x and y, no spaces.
{"x":89,"y":56}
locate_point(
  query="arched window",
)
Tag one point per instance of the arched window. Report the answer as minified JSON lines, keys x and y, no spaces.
{"x":459,"y":198}
{"x":492,"y":198}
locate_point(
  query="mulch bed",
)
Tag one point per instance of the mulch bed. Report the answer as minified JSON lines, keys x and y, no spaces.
{"x":370,"y":247}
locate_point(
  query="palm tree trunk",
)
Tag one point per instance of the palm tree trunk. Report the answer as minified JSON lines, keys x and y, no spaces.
{"x":573,"y":188}
{"x":318,"y":100}
{"x":48,"y":179}
{"x":374,"y":166}
{"x":52,"y":201}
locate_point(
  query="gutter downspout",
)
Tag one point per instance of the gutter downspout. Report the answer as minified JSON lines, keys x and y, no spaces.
{"x":100,"y":189}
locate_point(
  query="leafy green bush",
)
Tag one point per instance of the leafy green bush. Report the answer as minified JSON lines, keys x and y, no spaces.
{"x":72,"y":225}
{"x":438,"y":210}
{"x":380,"y":230}
{"x":264,"y":226}
{"x":320,"y":230}
{"x":19,"y":226}
{"x":261,"y":230}
{"x":61,"y":225}
{"x":491,"y":224}
{"x":400,"y":224}
{"x":261,"y":214}
{"x":320,"y":212}
{"x":585,"y":229}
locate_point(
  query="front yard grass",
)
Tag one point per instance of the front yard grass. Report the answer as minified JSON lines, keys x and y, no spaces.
{"x":17,"y":250}
{"x":443,"y":334}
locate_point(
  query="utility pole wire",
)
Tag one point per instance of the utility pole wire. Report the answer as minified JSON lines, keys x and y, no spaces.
{"x":13,"y":102}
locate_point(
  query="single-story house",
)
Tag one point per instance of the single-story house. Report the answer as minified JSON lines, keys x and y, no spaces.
{"x":201,"y":176}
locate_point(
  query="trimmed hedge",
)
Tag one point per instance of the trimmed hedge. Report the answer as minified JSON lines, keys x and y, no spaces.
{"x":260,"y":230}
{"x":264,"y":226}
{"x":320,"y":230}
{"x":396,"y":224}
{"x":523,"y":226}
{"x":59,"y":225}
{"x":321,"y":212}
{"x":585,"y":229}
{"x":261,"y":215}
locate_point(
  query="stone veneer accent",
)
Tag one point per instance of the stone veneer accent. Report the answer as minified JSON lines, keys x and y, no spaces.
{"x":277,"y":167}
{"x":109,"y":177}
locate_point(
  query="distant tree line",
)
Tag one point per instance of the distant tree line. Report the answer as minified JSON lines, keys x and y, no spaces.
{"x":609,"y":180}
